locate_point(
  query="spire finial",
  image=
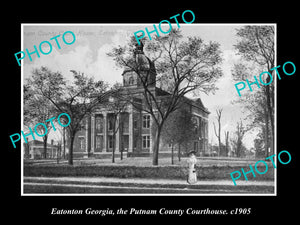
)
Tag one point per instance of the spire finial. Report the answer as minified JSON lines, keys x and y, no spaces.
{"x":139,"y":48}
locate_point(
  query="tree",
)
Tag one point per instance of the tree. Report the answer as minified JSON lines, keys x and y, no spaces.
{"x":226,"y":142}
{"x":37,"y":110}
{"x":27,"y":94}
{"x":178,"y":129}
{"x":77,"y":99}
{"x":218,"y":134}
{"x":238,"y":139}
{"x":116,"y":105}
{"x":257,"y":45}
{"x":258,"y":146}
{"x":186,"y":65}
{"x":254,"y":102}
{"x":61,"y":137}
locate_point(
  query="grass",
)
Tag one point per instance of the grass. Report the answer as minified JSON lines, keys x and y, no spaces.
{"x":147,"y":161}
{"x":141,"y":167}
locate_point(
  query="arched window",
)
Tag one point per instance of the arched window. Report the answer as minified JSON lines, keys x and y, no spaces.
{"x":131,"y":81}
{"x":195,"y":123}
{"x":99,"y":124}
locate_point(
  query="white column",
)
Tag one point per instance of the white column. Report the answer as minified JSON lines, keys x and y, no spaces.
{"x":93,"y":133}
{"x":130,"y":142}
{"x":105,"y":132}
{"x":118,"y":133}
{"x":151,"y":134}
{"x":31,"y":152}
{"x":86,"y":135}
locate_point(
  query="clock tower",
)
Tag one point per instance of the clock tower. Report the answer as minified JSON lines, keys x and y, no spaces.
{"x":141,"y":70}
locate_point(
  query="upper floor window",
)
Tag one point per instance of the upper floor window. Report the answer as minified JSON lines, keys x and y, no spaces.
{"x":110,"y":124}
{"x":195,"y":123}
{"x":131,"y":81}
{"x":146,"y":121}
{"x":98,"y":124}
{"x":135,"y":124}
{"x":82,"y":124}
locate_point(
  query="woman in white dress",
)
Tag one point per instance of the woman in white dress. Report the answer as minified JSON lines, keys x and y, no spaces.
{"x":192,"y":160}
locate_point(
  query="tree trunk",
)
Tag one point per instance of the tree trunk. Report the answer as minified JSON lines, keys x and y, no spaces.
{"x":70,"y":156}
{"x":266,"y":133}
{"x":172,"y":156}
{"x":226,"y":142}
{"x":156,"y":145}
{"x":64,"y":141}
{"x":219,"y":147}
{"x":218,"y":135}
{"x":238,"y":148}
{"x":45,"y":138}
{"x":270,"y":104}
{"x":113,"y":149}
{"x":179,"y":152}
{"x":27,"y":151}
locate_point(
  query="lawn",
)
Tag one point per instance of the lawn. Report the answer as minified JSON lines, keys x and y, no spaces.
{"x":147,"y":161}
{"x":141,"y":167}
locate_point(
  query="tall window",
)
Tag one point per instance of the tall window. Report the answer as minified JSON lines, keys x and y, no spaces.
{"x":81,"y":143}
{"x":146,"y":121}
{"x":195,"y":123}
{"x":98,"y":124}
{"x":110,"y":141}
{"x":135,"y":124}
{"x":98,"y":141}
{"x":130,"y":81}
{"x":200,"y":127}
{"x":110,"y":124}
{"x":146,"y":141}
{"x":82,"y":124}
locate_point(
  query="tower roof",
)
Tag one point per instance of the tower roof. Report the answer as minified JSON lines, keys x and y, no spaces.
{"x":139,"y":70}
{"x":139,"y":60}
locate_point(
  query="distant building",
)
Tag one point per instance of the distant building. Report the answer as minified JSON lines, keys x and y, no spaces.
{"x":35,"y":150}
{"x":135,"y":133}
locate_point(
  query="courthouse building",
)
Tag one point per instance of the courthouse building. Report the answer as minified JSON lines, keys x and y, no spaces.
{"x":135,"y":134}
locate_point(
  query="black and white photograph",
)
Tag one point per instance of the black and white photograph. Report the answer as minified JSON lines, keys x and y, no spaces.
{"x":183,"y":109}
{"x":129,"y":112}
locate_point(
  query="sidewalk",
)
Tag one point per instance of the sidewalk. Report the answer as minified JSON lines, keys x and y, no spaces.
{"x":150,"y":181}
{"x":139,"y":185}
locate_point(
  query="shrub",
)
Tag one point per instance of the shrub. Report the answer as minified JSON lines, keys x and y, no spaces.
{"x":125,"y":171}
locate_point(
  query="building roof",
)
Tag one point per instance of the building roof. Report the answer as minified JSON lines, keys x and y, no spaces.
{"x":139,"y":61}
{"x":144,"y":63}
{"x":197,"y":102}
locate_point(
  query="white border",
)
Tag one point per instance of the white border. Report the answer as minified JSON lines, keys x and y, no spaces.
{"x":22,"y":117}
{"x":143,"y":24}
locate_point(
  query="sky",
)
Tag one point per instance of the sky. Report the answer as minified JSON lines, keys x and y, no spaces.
{"x":88,"y":55}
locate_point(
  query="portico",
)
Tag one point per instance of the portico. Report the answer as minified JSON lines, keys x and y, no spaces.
{"x":102,"y":132}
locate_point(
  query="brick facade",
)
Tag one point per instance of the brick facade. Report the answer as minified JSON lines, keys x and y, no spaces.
{"x":135,"y":133}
